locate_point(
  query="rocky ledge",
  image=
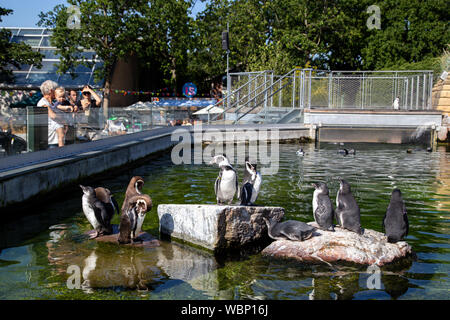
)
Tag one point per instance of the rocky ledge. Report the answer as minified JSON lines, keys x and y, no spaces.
{"x":146,"y":239}
{"x":342,"y":245}
{"x":217,"y":227}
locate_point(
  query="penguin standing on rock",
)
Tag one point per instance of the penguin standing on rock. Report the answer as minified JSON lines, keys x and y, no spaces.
{"x":98,"y":213}
{"x":250,"y":184}
{"x":133,"y":217}
{"x":134,"y":187}
{"x":347,"y":210}
{"x":104,"y":195}
{"x":134,"y":208}
{"x":226,"y":185}
{"x":395,"y":221}
{"x":322,"y":208}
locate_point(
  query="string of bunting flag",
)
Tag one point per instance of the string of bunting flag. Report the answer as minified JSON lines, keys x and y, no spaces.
{"x":154,"y":93}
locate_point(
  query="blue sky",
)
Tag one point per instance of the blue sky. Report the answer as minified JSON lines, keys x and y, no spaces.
{"x":26,"y":11}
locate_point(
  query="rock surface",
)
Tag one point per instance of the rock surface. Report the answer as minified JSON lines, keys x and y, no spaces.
{"x":216,"y":227}
{"x":342,"y":245}
{"x":148,"y":241}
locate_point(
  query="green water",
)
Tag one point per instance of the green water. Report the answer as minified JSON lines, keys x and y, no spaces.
{"x":37,"y":250}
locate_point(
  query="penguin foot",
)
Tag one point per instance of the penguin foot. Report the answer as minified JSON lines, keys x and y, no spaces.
{"x":95,"y":235}
{"x":330,"y":229}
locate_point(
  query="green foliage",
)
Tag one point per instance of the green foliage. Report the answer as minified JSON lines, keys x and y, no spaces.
{"x":14,"y":53}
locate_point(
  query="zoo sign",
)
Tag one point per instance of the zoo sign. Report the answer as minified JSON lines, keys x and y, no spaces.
{"x":189,"y":90}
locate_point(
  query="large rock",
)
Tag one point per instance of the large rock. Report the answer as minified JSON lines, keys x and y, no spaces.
{"x":342,"y":245}
{"x":216,"y":227}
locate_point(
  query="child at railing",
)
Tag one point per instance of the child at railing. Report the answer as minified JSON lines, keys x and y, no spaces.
{"x":63,"y":107}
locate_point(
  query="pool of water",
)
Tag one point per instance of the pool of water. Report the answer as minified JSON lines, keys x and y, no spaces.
{"x":38,"y":250}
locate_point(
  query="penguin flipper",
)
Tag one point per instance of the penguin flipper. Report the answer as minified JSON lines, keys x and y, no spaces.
{"x":102,"y":216}
{"x":116,"y":205}
{"x":246,"y":194}
{"x":124,"y":229}
{"x":405,"y":219}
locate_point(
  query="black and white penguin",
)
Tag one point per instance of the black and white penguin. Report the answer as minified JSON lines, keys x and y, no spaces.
{"x":134,"y":188}
{"x":343,"y":151}
{"x":98,"y":213}
{"x":347,"y":210}
{"x":289,"y":230}
{"x":133,"y":217}
{"x":395,"y":221}
{"x":250,"y":185}
{"x":226,"y":185}
{"x":300,"y":152}
{"x":105,"y":195}
{"x":322,"y":208}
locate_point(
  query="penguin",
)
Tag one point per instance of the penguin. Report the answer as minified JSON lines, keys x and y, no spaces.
{"x":250,"y":185}
{"x":98,"y":213}
{"x":300,"y":152}
{"x":134,"y":187}
{"x":343,"y":151}
{"x":226,"y":185}
{"x":322,"y":208}
{"x":352,"y":151}
{"x":289,"y":230}
{"x":395,"y":221}
{"x":133,"y":217}
{"x":104,"y":195}
{"x":347,"y":210}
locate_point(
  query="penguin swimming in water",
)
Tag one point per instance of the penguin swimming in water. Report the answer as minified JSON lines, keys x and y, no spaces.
{"x":346,"y":152}
{"x":300,"y":152}
{"x":395,"y":221}
{"x":322,"y":208}
{"x":226,"y":184}
{"x":98,"y":213}
{"x":134,"y":187}
{"x":250,"y":185}
{"x":347,"y":210}
{"x":289,"y":230}
{"x":133,"y":217}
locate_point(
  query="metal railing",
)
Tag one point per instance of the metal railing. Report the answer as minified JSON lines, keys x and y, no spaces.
{"x":264,"y":97}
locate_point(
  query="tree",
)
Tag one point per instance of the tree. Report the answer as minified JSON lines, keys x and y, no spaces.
{"x":14,"y":54}
{"x":111,"y":28}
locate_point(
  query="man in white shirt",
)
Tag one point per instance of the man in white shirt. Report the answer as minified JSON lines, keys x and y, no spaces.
{"x":55,"y":121}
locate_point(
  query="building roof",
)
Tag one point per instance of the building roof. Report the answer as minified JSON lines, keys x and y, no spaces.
{"x":30,"y":76}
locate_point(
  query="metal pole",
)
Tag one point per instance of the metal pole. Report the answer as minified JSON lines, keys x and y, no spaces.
{"x":430,"y":76}
{"x":293,"y":90}
{"x":412,"y":90}
{"x":424,"y":90}
{"x":228,"y":72}
{"x":417,"y":93}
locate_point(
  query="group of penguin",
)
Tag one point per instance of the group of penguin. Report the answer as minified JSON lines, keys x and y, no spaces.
{"x":99,"y":207}
{"x":347,"y":213}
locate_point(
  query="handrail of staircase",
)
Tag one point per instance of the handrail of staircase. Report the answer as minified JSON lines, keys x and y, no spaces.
{"x":235,"y":91}
{"x":264,"y":91}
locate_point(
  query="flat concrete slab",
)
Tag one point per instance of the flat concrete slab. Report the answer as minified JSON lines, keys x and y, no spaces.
{"x":216,"y":227}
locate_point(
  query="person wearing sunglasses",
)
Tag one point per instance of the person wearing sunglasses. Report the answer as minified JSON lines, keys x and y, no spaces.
{"x":89,"y":100}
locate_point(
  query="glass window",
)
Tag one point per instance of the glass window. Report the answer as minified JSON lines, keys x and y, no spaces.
{"x":80,"y":79}
{"x":30,"y":40}
{"x":20,"y":78}
{"x":30,"y":31}
{"x":49,"y":66}
{"x":38,"y":78}
{"x":46,"y":42}
{"x":49,"y":53}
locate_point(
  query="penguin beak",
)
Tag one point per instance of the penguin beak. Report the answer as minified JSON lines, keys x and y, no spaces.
{"x":314,"y":185}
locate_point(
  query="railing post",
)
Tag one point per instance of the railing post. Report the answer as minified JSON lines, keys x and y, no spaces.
{"x":417,"y":93}
{"x":430,"y":76}
{"x":265,"y":98}
{"x":293,"y":90}
{"x":330,"y":84}
{"x":424,"y":90}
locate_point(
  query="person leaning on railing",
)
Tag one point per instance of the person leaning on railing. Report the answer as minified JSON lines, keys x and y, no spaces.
{"x":55,"y":122}
{"x":89,"y":100}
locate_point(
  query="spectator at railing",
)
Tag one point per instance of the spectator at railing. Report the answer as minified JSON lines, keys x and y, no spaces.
{"x":55,"y":121}
{"x":87,"y":103}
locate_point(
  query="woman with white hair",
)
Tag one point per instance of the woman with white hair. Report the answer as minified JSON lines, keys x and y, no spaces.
{"x":55,"y":121}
